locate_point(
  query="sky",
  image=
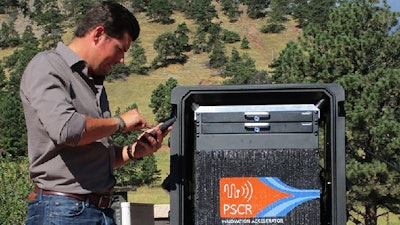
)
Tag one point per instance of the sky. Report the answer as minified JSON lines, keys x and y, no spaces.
{"x":394,"y":4}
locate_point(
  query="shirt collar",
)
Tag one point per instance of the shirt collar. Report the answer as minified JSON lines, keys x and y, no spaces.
{"x":73,"y":60}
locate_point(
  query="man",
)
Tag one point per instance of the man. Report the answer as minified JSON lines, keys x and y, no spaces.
{"x":69,"y":123}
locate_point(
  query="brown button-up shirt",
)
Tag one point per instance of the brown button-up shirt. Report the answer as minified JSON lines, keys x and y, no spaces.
{"x":56,"y":94}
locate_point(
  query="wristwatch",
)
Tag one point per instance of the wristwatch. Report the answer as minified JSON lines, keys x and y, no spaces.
{"x":121,"y":124}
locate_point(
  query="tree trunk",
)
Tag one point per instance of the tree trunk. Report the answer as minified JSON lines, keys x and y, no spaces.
{"x":371,"y":210}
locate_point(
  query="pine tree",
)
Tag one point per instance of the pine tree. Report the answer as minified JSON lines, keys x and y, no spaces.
{"x":3,"y":81}
{"x":161,"y":98}
{"x":231,"y":9}
{"x":30,"y":39}
{"x":148,"y":173}
{"x":214,"y":36}
{"x":203,"y":12}
{"x":277,"y":15}
{"x":8,"y":35}
{"x":228,"y":36}
{"x":256,"y":8}
{"x":52,"y":31}
{"x":48,"y":15}
{"x":13,"y":137}
{"x":139,"y":60}
{"x":279,"y":9}
{"x":312,"y":11}
{"x":160,"y":11}
{"x":218,"y":57}
{"x":77,"y":8}
{"x":357,"y":51}
{"x":170,"y":49}
{"x":240,"y":69}
{"x":182,"y":37}
{"x":7,"y":6}
{"x":200,"y":42}
{"x":245,"y":44}
{"x":140,"y":5}
{"x":179,"y":5}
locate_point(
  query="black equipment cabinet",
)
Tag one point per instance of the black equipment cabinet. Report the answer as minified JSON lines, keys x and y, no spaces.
{"x":258,"y":154}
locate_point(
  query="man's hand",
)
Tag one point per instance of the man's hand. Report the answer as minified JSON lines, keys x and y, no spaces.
{"x":150,"y":141}
{"x":133,"y":120}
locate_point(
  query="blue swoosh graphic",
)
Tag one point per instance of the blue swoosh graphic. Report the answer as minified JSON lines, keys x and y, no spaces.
{"x":284,"y":206}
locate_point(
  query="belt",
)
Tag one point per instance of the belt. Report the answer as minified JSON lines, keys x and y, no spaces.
{"x":101,"y":201}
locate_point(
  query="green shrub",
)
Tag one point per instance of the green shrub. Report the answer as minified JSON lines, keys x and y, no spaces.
{"x":230,"y":36}
{"x":15,"y":186}
{"x":272,"y":28}
{"x":119,"y":71}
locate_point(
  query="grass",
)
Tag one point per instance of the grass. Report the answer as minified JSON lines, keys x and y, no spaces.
{"x":5,"y":52}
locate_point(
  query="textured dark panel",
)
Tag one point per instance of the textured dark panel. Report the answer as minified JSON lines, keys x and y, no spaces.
{"x":298,"y":168}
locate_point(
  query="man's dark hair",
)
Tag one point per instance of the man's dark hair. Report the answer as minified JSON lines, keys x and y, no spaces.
{"x":115,"y":19}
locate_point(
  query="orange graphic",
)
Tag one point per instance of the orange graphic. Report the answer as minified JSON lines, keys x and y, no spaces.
{"x":245,"y":197}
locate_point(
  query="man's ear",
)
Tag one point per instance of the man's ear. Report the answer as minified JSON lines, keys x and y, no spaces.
{"x":97,"y":33}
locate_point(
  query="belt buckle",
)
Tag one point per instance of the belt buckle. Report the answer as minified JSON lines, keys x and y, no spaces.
{"x":104,"y":197}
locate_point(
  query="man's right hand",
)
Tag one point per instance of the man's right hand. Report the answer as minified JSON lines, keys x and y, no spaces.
{"x":133,"y":120}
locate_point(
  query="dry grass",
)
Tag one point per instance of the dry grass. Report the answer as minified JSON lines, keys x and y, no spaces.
{"x":6,"y":52}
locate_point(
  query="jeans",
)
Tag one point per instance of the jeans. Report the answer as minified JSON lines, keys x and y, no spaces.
{"x":54,"y":209}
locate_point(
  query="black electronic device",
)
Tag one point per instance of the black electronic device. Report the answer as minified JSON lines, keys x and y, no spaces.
{"x":167,"y":124}
{"x":163,"y":128}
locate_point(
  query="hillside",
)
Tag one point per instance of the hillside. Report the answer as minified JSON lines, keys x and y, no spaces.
{"x":138,"y":89}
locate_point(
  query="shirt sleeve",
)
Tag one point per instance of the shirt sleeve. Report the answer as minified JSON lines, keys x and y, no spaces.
{"x":46,"y":86}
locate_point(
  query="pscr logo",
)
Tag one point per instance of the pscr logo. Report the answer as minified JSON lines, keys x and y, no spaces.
{"x":260,"y":197}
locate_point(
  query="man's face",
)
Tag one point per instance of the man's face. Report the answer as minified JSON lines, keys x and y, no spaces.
{"x":109,"y":52}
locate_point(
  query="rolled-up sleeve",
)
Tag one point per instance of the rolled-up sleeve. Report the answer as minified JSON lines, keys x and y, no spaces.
{"x":73,"y":130}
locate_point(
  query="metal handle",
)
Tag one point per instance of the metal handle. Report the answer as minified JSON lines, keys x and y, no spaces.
{"x":256,"y":115}
{"x":256,"y":126}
